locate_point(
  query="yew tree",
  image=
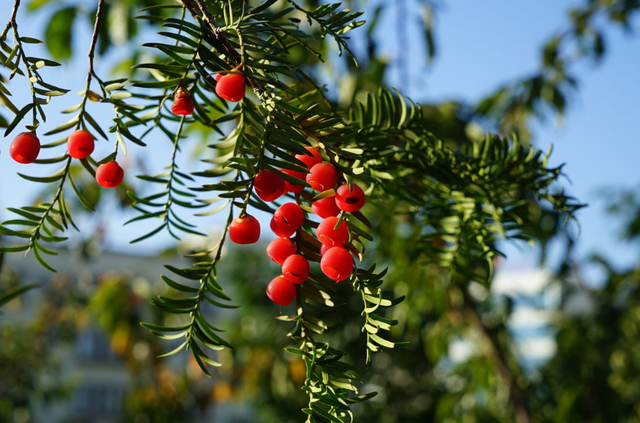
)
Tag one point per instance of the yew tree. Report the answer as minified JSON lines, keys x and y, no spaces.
{"x":370,"y":191}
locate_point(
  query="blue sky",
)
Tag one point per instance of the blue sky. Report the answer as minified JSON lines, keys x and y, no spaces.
{"x":480,"y":45}
{"x":484,"y":44}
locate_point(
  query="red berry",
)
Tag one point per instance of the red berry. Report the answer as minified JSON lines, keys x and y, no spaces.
{"x":350,"y":200}
{"x":218,"y":76}
{"x":281,"y":231}
{"x":231,"y":87}
{"x":295,"y":269}
{"x":325,"y":207}
{"x":244,"y":229}
{"x":25,"y":148}
{"x":337,"y":263}
{"x":281,"y":291}
{"x":289,"y":217}
{"x":324,"y":248}
{"x":110,"y":174}
{"x":269,"y":185}
{"x":80,"y":144}
{"x":182,"y":103}
{"x":330,"y":236}
{"x":294,"y":188}
{"x":310,"y":160}
{"x":322,"y":177}
{"x":182,"y":107}
{"x":280,"y":248}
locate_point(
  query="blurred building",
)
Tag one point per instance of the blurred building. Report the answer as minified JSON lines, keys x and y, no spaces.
{"x":99,"y":375}
{"x":530,"y":297}
{"x":534,"y":299}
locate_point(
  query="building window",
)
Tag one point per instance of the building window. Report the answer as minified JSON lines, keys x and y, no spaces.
{"x":93,"y":345}
{"x":95,"y":398}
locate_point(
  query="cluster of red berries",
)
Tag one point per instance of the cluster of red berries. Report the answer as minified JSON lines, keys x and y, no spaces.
{"x":231,"y":87}
{"x":336,"y":260}
{"x":26,"y":147}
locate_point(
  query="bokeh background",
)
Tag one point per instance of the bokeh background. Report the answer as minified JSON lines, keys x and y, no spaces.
{"x":563,"y":313}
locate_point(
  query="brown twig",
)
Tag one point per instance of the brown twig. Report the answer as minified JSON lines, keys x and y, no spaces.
{"x":94,"y":36}
{"x":92,"y":50}
{"x":22,"y":56}
{"x":198,"y":9}
{"x":12,"y":19}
